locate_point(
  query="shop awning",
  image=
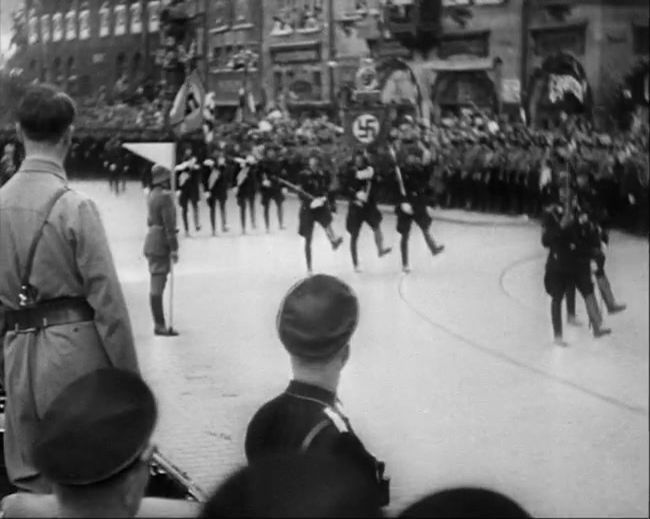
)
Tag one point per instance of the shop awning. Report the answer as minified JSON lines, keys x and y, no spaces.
{"x":460,"y":64}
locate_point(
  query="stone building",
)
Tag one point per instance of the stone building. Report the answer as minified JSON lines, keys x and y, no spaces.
{"x":89,"y":44}
{"x":579,"y":53}
{"x":234,"y":34}
{"x":297,"y":50}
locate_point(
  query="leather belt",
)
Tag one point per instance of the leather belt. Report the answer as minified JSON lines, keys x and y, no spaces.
{"x":49,"y":313}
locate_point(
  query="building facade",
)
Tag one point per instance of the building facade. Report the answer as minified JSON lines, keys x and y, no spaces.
{"x":579,"y":53}
{"x":297,"y":51}
{"x":234,"y":54}
{"x":86,"y":45}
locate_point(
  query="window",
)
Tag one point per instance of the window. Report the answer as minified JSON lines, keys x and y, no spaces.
{"x":297,"y":15}
{"x":563,"y":39}
{"x":640,"y":36}
{"x":278,"y":85}
{"x":120,"y":66}
{"x":136,"y":66}
{"x":57,"y":78}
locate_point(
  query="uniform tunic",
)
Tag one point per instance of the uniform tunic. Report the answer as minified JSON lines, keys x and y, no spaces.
{"x":269,"y":170}
{"x":418,"y":194}
{"x":315,"y":183}
{"x":72,"y":260}
{"x":161,"y":238}
{"x":357,"y":180}
{"x":308,"y":418}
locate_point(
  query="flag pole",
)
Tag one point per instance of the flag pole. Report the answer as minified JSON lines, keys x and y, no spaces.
{"x":171,"y":263}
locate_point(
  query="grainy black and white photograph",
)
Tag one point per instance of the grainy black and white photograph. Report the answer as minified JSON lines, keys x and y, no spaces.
{"x":324,"y":258}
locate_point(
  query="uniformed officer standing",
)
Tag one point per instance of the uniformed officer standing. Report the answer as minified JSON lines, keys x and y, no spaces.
{"x":413,"y":206}
{"x":216,"y":181}
{"x":188,"y":174}
{"x":359,"y":184}
{"x":269,"y":170}
{"x":66,"y":314}
{"x":315,"y":207}
{"x":161,"y":244}
{"x":315,"y":323}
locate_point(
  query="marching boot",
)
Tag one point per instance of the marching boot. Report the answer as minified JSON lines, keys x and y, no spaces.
{"x":281,"y":216}
{"x":431,"y":243}
{"x":336,"y":242}
{"x":197,"y":218}
{"x":160,"y":328}
{"x":404,"y":249}
{"x":570,"y":296}
{"x":379,"y":241}
{"x":608,"y":296}
{"x":556,"y":319}
{"x":224,"y":224}
{"x":595,"y":317}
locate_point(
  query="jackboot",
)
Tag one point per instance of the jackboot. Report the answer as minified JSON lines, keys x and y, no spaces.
{"x":608,"y":296}
{"x":160,"y":328}
{"x":595,"y":317}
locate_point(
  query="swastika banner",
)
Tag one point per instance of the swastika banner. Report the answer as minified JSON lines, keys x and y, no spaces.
{"x":365,"y":126}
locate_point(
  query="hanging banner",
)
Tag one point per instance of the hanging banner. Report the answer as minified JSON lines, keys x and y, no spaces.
{"x":104,"y":20}
{"x":57,"y":27}
{"x":120,"y":20}
{"x":71,"y":25}
{"x":365,"y":126}
{"x":136,"y":18}
{"x":186,"y":114}
{"x":32,"y":28}
{"x":84,"y":24}
{"x":559,"y":85}
{"x":46,"y":33}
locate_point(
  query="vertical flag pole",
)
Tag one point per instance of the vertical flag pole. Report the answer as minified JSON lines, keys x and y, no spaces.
{"x":171,"y":263}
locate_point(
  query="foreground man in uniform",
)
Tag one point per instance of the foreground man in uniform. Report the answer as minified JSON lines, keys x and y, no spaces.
{"x":316,"y":321}
{"x":65,"y":312}
{"x":93,"y":477}
{"x":161,"y":244}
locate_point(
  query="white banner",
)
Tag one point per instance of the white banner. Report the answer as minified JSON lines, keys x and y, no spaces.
{"x":559,"y":85}
{"x":153,"y":12}
{"x":136,"y":18}
{"x":84,"y":24}
{"x":32,"y":29}
{"x":104,"y":20}
{"x":46,"y":33}
{"x":120,"y":20}
{"x":57,"y":27}
{"x":71,"y":25}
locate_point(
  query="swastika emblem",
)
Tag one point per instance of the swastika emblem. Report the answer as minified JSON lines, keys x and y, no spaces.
{"x":365,"y":128}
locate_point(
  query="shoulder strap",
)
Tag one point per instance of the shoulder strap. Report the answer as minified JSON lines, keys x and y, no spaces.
{"x":39,"y":233}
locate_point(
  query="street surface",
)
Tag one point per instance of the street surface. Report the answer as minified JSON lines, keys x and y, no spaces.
{"x":453,"y":378}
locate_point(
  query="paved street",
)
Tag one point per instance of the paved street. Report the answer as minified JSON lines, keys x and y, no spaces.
{"x":453,"y":377}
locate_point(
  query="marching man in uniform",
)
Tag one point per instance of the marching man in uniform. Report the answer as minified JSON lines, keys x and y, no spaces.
{"x":161,"y":244}
{"x":270,"y":169}
{"x":189,"y":177}
{"x":413,"y":206}
{"x":216,"y":182}
{"x":315,"y":207}
{"x":363,"y":207}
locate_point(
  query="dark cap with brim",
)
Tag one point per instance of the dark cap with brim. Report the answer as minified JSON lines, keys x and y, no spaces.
{"x":317,"y":317}
{"x":95,"y":428}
